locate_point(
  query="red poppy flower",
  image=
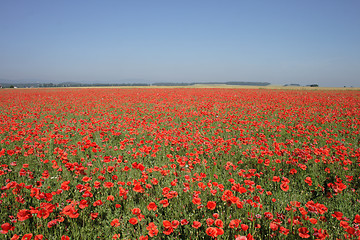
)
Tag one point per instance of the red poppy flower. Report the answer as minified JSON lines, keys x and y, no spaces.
{"x":52,"y":223}
{"x":43,"y":213}
{"x":219,"y":231}
{"x":209,"y":222}
{"x":244,"y":227}
{"x":164,"y":203}
{"x":23,"y":214}
{"x":211,"y":231}
{"x":196,"y":224}
{"x":274,"y":226}
{"x":133,"y":221}
{"x":357,"y":218}
{"x":138,"y":188}
{"x":234,"y":223}
{"x":152,"y":229}
{"x":268,"y":215}
{"x":304,"y":232}
{"x":98,"y":203}
{"x":168,"y":229}
{"x":196,"y":201}
{"x":116,"y":236}
{"x":285,"y":180}
{"x":65,"y":185}
{"x":219,"y":223}
{"x":337,"y":215}
{"x":83,"y":204}
{"x":15,"y":237}
{"x":70,"y":211}
{"x":6,"y":227}
{"x":211,"y":205}
{"x":313,"y":220}
{"x":175,"y":223}
{"x":94,"y":215}
{"x":154,"y":181}
{"x":184,"y":222}
{"x":27,"y":236}
{"x":108,"y":184}
{"x":86,"y":179}
{"x":344,"y":224}
{"x":350,"y":230}
{"x":284,"y":187}
{"x":308,"y":181}
{"x":152,"y":206}
{"x":115,"y":222}
{"x":136,"y":211}
{"x":276,"y":179}
{"x":303,"y":211}
{"x":284,"y":231}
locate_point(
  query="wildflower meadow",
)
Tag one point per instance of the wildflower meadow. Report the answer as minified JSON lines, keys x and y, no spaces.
{"x":179,"y":163}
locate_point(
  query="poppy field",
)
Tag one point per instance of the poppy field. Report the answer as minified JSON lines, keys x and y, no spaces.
{"x":184,"y":163}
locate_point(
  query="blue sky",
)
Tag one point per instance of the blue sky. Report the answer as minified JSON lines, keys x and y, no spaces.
{"x":274,"y":41}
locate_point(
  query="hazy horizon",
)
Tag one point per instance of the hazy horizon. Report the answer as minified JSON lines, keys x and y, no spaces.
{"x":281,"y":42}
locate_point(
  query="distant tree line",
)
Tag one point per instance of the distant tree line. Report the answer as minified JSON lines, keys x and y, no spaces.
{"x":298,"y":85}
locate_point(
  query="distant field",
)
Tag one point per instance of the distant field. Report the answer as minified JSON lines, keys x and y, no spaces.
{"x":237,"y":86}
{"x":229,"y":86}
